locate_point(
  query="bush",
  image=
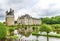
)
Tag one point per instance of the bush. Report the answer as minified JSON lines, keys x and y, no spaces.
{"x":14,"y":37}
{"x":11,"y":29}
{"x":3,"y":31}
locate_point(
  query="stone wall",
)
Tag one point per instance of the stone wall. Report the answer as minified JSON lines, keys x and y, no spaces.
{"x":9,"y":20}
{"x":10,"y":17}
{"x":28,"y":21}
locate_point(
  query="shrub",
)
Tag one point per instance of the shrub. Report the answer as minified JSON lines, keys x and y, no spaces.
{"x":14,"y":37}
{"x":3,"y":31}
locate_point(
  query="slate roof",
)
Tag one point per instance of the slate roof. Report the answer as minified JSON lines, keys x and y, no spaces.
{"x":28,"y":16}
{"x":11,"y":12}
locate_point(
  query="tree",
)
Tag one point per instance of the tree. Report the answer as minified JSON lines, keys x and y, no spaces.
{"x":46,"y":28}
{"x":56,"y":28}
{"x":47,"y":20}
{"x":11,"y":29}
{"x":3,"y":32}
{"x":52,"y":20}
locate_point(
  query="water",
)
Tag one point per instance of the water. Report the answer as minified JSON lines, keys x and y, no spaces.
{"x":40,"y":38}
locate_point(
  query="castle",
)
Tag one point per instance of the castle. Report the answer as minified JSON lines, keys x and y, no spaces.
{"x":25,"y":19}
{"x":28,"y":20}
{"x":10,"y":17}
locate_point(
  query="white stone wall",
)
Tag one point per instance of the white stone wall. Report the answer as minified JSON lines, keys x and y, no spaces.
{"x":29,"y":21}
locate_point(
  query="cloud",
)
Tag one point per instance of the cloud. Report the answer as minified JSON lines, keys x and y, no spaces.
{"x":16,"y":5}
{"x":49,"y":13}
{"x":35,"y":8}
{"x":45,"y":8}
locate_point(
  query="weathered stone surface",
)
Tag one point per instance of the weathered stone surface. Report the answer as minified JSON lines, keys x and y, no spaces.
{"x":10,"y":18}
{"x":28,"y":20}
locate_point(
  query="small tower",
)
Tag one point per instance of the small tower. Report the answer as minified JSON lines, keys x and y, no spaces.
{"x":10,"y":17}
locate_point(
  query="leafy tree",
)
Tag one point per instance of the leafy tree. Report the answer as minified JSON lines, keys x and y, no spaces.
{"x":3,"y":32}
{"x":52,"y":20}
{"x":11,"y":29}
{"x":46,"y":28}
{"x":57,"y":18}
{"x":56,"y":28}
{"x":47,"y":20}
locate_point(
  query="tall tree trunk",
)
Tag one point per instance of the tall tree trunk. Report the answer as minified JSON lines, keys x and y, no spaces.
{"x":47,"y":37}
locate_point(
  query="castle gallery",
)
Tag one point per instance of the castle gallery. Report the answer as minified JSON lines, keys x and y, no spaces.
{"x":25,"y":19}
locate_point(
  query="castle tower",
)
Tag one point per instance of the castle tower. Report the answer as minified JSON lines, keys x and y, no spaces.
{"x":10,"y":17}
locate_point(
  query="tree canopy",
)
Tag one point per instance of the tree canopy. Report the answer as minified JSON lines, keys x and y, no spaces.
{"x":52,"y":20}
{"x":3,"y":31}
{"x":45,"y":28}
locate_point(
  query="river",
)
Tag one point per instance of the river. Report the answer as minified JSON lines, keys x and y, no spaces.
{"x":40,"y":38}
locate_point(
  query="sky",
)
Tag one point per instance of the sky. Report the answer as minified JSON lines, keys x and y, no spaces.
{"x":35,"y":8}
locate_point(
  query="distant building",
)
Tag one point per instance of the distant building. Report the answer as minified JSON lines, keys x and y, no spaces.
{"x":10,"y":17}
{"x":28,"y":20}
{"x":25,"y":19}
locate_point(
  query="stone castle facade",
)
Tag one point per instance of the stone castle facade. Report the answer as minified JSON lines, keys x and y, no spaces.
{"x":28,"y":20}
{"x":25,"y":19}
{"x":10,"y":17}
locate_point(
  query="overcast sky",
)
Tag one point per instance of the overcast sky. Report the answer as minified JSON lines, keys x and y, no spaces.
{"x":35,"y":8}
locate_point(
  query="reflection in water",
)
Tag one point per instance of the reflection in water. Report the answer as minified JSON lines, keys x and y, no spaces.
{"x":40,"y":38}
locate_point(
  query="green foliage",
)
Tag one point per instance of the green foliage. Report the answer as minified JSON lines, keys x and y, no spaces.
{"x":47,"y":20}
{"x":11,"y":29}
{"x":3,"y":31}
{"x":52,"y":20}
{"x":14,"y":37}
{"x":45,"y":28}
{"x":34,"y":32}
{"x":56,"y":26}
{"x":50,"y":35}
